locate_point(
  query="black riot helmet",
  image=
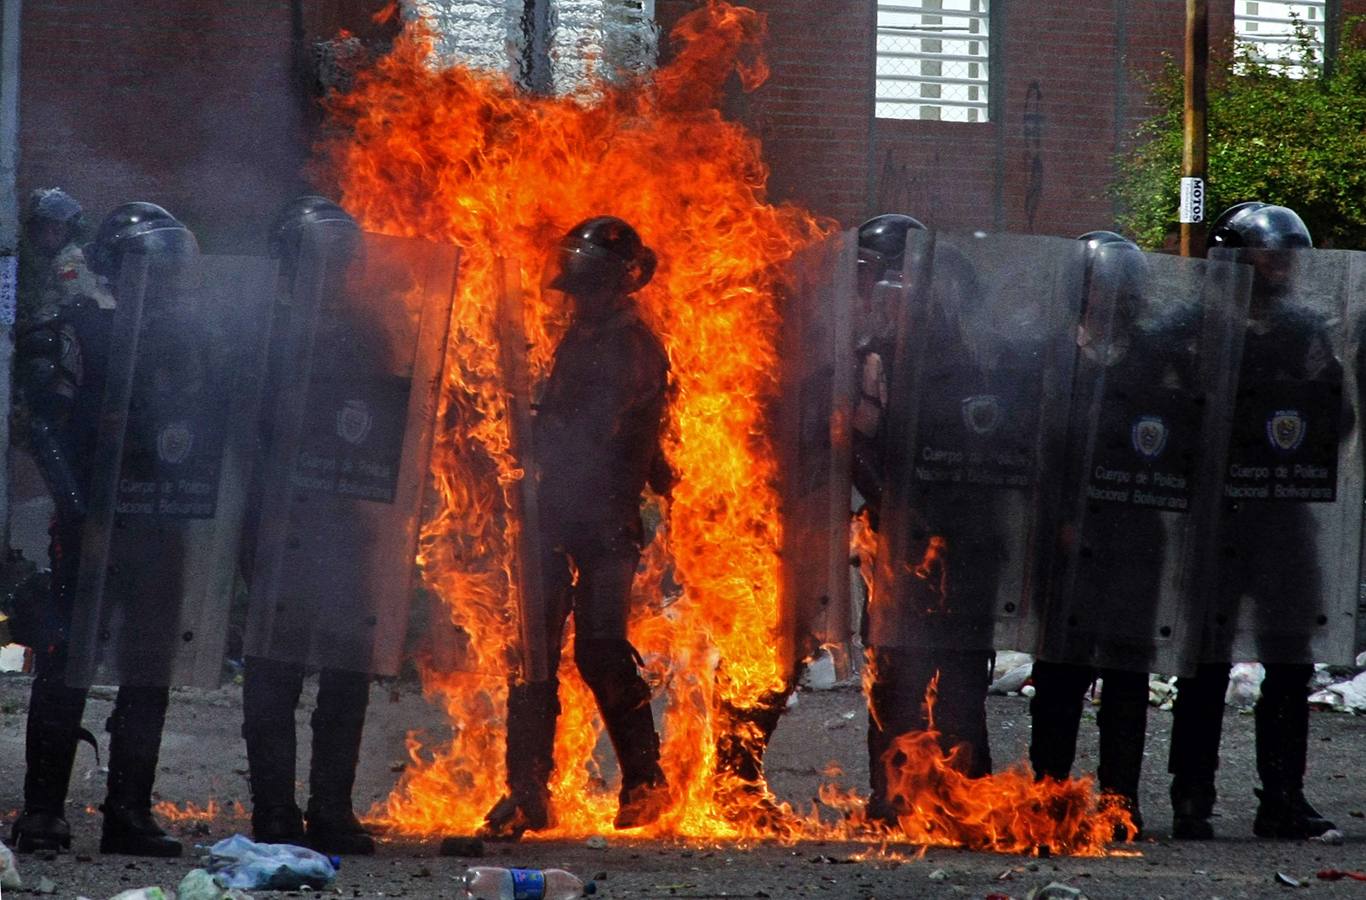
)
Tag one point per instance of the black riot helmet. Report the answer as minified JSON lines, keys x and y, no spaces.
{"x":1116,"y":277}
{"x":301,"y":214}
{"x":138,"y":227}
{"x":882,"y":246}
{"x":603,"y":254}
{"x":1260,"y":226}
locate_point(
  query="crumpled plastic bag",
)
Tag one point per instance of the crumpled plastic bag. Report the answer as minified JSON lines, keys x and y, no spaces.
{"x":238,"y":862}
{"x":199,"y":884}
{"x":9,"y":872}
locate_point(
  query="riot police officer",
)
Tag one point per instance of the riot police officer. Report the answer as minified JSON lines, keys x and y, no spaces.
{"x":271,"y":688}
{"x":597,"y":437}
{"x":901,"y":674}
{"x":63,"y":351}
{"x":1267,"y":547}
{"x":1124,"y":372}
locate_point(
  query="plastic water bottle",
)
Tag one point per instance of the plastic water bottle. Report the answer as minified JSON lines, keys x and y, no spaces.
{"x":493,"y":883}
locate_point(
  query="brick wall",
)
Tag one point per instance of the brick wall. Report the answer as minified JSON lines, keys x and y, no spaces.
{"x":201,"y":107}
{"x":814,"y":114}
{"x":1070,"y":93}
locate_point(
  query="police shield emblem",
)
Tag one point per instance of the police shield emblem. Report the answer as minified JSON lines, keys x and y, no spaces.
{"x":982,"y":414}
{"x":1285,"y":430}
{"x":174,"y":442}
{"x":1149,"y":436}
{"x":354,"y":421}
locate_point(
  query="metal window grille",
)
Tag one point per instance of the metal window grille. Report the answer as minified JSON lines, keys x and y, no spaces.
{"x":932,"y":60}
{"x":1267,"y":32}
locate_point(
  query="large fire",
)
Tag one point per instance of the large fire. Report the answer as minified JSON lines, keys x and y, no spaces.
{"x":451,"y":154}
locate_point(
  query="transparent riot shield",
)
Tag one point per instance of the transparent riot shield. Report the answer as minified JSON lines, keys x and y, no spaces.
{"x":812,"y":421}
{"x":528,"y":553}
{"x":977,"y":405}
{"x":171,"y":470}
{"x":357,"y":355}
{"x":1289,"y":533}
{"x":1157,"y":351}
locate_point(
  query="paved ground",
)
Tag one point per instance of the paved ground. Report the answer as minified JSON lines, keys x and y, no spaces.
{"x":203,"y":756}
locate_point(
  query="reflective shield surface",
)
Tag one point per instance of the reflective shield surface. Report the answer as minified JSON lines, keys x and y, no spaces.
{"x":172,"y":469}
{"x":816,"y":349}
{"x":978,"y":410}
{"x":1289,"y":533}
{"x":1156,"y":366}
{"x":357,"y":354}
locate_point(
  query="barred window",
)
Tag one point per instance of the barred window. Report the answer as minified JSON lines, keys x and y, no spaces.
{"x":932,"y":60}
{"x":1267,"y":32}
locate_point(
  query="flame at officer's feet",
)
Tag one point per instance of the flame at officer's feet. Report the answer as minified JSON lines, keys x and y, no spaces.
{"x":452,"y":154}
{"x":1005,"y":812}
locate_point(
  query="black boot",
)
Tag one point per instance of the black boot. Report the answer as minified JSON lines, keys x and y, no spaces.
{"x":741,"y":789}
{"x":338,"y":724}
{"x":270,"y":694}
{"x":1197,"y":724}
{"x":530,"y":757}
{"x":54,"y":730}
{"x":1192,"y":807}
{"x":644,"y":795}
{"x":1123,"y":724}
{"x":610,"y":666}
{"x":134,"y":746}
{"x":1282,"y":718}
{"x":1055,"y":717}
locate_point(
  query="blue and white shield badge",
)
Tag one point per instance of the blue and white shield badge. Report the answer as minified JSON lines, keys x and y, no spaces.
{"x":354,"y":421}
{"x":983,"y":413}
{"x":174,"y":442}
{"x":1285,"y":430}
{"x":1149,"y":436}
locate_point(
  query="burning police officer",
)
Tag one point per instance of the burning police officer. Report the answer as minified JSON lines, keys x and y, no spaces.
{"x":1291,"y":418}
{"x":597,"y":439}
{"x":64,"y":349}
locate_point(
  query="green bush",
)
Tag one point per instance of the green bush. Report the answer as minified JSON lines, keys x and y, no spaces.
{"x":1299,"y":142}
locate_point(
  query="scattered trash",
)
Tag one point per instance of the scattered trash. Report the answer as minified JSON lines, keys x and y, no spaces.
{"x":596,"y":842}
{"x":1056,"y":890}
{"x":198,"y":884}
{"x":462,"y":846}
{"x":1332,"y":837}
{"x":939,"y":875}
{"x":1339,"y":874}
{"x":494,"y":883}
{"x":1013,"y":680}
{"x":1161,"y":691}
{"x":238,"y":862}
{"x":46,"y":886}
{"x":1287,"y":880}
{"x":143,"y":893}
{"x":1027,"y":691}
{"x":9,"y":872}
{"x":820,"y":673}
{"x":1345,"y":696}
{"x":1244,"y":685}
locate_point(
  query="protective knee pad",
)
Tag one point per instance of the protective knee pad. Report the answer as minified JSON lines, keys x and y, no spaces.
{"x":609,"y":666}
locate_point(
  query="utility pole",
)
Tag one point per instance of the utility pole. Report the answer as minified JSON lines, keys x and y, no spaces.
{"x":1332,"y":36}
{"x":1195,"y":154}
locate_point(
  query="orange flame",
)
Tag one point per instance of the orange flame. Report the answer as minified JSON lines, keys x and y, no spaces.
{"x":456,"y":155}
{"x":193,"y":812}
{"x":450,"y":154}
